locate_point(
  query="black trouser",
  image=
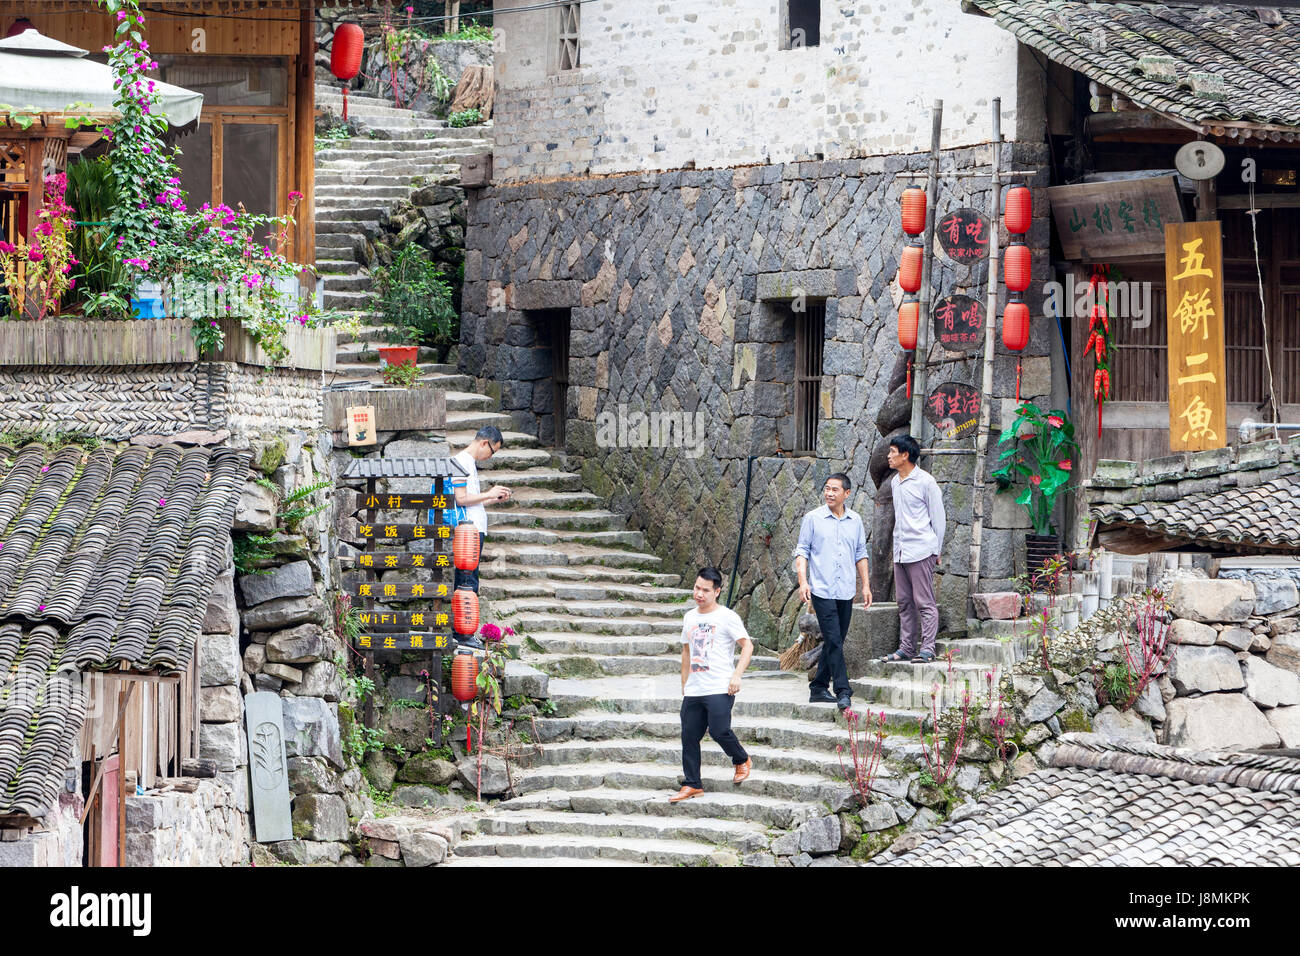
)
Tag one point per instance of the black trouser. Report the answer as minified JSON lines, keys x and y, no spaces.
{"x":714,"y":713}
{"x":833,"y":617}
{"x":469,"y":579}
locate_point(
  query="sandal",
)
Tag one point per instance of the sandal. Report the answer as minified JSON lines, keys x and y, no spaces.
{"x":895,"y":658}
{"x":923,"y":658}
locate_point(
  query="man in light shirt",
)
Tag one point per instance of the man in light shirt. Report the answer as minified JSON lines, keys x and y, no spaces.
{"x":832,"y":544}
{"x":710,"y":634}
{"x":470,"y":496}
{"x":919,"y":524}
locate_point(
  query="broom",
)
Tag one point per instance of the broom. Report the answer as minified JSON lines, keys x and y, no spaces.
{"x":790,"y":656}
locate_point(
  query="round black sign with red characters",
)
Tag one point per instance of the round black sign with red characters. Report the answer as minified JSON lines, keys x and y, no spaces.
{"x":959,"y":323}
{"x":964,"y":235}
{"x":953,"y":409}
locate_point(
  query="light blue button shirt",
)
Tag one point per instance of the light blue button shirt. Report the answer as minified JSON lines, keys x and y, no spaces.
{"x":833,"y":547}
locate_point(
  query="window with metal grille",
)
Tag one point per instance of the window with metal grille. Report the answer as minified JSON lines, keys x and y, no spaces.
{"x":809,"y":337}
{"x":801,"y":22}
{"x":569,"y":50}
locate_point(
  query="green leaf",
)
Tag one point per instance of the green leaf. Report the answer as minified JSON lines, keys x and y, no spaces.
{"x":1023,"y":497}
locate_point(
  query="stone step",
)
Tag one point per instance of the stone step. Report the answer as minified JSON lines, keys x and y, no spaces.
{"x":630,"y":626}
{"x":338,"y":245}
{"x":347,"y":300}
{"x":918,"y":694}
{"x":738,"y":804}
{"x":358,"y":229}
{"x":514,"y":862}
{"x":534,"y":477}
{"x":610,"y":539}
{"x":435,"y":172}
{"x":459,"y":421}
{"x":540,"y":587}
{"x":336,"y":196}
{"x":357,"y":282}
{"x":574,"y":555}
{"x":600,"y":610}
{"x":532,"y":498}
{"x":461,"y":437}
{"x":330,"y":268}
{"x":509,"y":457}
{"x":370,"y":336}
{"x":741,"y":835}
{"x":359,"y":179}
{"x":666,"y":778}
{"x":799,"y":760}
{"x":401,"y":147}
{"x":467,"y":401}
{"x":596,"y":519}
{"x":606,"y":665}
{"x":585,"y":573}
{"x":565,"y":847}
{"x":823,"y":733}
{"x":356,"y":213}
{"x":545,"y":643}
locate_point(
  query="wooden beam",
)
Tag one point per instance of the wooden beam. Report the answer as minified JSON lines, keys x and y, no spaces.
{"x":305,"y":138}
{"x":1262,"y":201}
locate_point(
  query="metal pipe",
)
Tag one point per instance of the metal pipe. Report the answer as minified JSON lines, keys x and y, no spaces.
{"x":1247,"y":426}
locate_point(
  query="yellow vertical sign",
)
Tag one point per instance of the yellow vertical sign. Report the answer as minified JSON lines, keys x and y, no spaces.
{"x":1198,"y":392}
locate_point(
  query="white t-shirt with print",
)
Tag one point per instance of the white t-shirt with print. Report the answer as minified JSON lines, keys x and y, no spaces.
{"x":711,"y":639}
{"x":475,"y":513}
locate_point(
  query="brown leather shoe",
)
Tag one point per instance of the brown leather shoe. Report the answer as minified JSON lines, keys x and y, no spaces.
{"x":742,"y":770}
{"x":685,"y":794}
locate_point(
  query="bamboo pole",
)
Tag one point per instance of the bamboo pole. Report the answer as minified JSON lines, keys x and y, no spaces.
{"x":927,"y":259}
{"x":990,"y":323}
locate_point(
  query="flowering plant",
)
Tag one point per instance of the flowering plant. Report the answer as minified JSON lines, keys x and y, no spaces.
{"x":38,"y":274}
{"x":1040,"y":451}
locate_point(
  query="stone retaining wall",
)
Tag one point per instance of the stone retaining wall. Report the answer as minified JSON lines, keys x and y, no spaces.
{"x":203,"y":828}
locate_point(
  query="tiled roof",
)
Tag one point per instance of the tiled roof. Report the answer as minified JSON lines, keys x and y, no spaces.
{"x":1103,"y":804}
{"x":1246,"y":497}
{"x":106,"y":560}
{"x":1202,"y":63}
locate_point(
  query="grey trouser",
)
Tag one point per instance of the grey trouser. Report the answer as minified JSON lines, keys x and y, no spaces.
{"x":914,"y":586}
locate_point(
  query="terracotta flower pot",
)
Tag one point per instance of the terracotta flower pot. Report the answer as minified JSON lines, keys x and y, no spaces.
{"x":399,"y":354}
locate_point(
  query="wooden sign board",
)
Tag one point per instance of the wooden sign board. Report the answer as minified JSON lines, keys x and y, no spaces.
{"x":1198,"y":392}
{"x":373,"y":590}
{"x":405,"y":619}
{"x":404,"y":532}
{"x":963,"y":235}
{"x":958,"y":323}
{"x":1106,"y":221}
{"x":361,"y":425}
{"x":405,"y":641}
{"x":268,"y":767}
{"x":953,"y":409}
{"x":404,"y":502}
{"x":382,"y":561}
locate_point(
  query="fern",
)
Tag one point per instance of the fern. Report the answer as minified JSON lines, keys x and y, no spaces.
{"x":300,"y":493}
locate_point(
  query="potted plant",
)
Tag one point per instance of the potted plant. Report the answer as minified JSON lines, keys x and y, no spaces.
{"x":1038,"y":454}
{"x":416,"y":299}
{"x":399,"y":354}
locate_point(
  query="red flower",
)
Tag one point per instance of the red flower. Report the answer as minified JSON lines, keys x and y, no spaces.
{"x":1055,"y":421}
{"x":1035,"y":480}
{"x":1065,"y":464}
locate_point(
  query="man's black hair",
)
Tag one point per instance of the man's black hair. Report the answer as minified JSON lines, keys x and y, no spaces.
{"x":842,"y":478}
{"x":491,"y":434}
{"x":713,"y":576}
{"x":908,"y":446}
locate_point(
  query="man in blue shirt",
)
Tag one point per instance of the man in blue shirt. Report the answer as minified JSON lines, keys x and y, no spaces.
{"x":832,"y":543}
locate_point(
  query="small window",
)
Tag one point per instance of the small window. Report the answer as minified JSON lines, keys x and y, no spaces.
{"x":569,"y":49}
{"x":801,"y":23}
{"x":809,"y":340}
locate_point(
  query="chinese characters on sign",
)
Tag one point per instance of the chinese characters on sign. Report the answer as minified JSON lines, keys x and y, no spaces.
{"x":953,"y":409}
{"x":963,"y":235}
{"x":1198,"y":394}
{"x":361,"y":424}
{"x":958,"y":322}
{"x":1112,"y":220}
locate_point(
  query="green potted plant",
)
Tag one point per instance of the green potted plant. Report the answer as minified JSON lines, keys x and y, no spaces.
{"x":1037,"y":456}
{"x":417,"y":299}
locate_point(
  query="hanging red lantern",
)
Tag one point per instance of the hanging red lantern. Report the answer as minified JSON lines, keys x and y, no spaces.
{"x":345,"y":53}
{"x":913,"y":210}
{"x":464,"y":677}
{"x":1016,"y":267}
{"x":909,"y":318}
{"x":909,"y":270}
{"x":1019,"y":210}
{"x":464,"y":547}
{"x":1015,"y":326}
{"x":464,"y":611}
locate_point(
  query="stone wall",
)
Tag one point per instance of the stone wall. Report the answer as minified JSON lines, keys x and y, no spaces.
{"x":708,"y":82}
{"x":203,"y":828}
{"x":121,"y":402}
{"x":59,"y":842}
{"x":221,"y":707}
{"x":680,"y":286}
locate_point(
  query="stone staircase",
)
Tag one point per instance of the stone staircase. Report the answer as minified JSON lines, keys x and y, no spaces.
{"x":358,"y":179}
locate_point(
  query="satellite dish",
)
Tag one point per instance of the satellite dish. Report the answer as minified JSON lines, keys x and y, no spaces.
{"x":1199,"y":160}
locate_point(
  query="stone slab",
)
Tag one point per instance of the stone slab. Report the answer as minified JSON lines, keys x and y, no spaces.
{"x":268,"y":768}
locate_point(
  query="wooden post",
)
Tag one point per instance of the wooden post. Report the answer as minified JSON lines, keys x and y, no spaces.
{"x":990,"y":343}
{"x":451,"y":10}
{"x":927,"y":259}
{"x":305,"y":139}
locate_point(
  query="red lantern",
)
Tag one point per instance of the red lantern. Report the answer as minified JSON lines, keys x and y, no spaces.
{"x":1019,"y":210}
{"x":909,"y":317}
{"x":909,"y":270}
{"x":345,"y":54}
{"x":1015,"y":268}
{"x":464,"y":677}
{"x":1015,"y":326}
{"x":913,"y":210}
{"x":464,"y":546}
{"x":464,"y":611}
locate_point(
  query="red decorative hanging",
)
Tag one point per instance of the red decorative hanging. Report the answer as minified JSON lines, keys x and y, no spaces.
{"x":1017,"y":380}
{"x":909,"y":319}
{"x":345,"y":56}
{"x":1015,"y":326}
{"x":1101,"y":344}
{"x":909,"y":270}
{"x":1016,"y":267}
{"x":909,"y":378}
{"x":464,"y":611}
{"x":464,"y":546}
{"x":464,"y":677}
{"x":1019,"y":210}
{"x":913,"y":210}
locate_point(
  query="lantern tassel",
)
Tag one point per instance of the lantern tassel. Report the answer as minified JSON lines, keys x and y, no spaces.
{"x":345,"y":102}
{"x":909,"y":378}
{"x":1017,"y":380}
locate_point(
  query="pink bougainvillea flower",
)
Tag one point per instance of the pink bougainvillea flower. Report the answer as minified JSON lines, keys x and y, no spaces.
{"x":44,"y":469}
{"x":295,"y":196}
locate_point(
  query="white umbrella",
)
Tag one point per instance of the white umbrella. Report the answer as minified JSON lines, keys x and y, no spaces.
{"x":39,"y":73}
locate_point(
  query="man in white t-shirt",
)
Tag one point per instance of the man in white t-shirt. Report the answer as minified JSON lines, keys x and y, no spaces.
{"x":710,"y":634}
{"x":469,"y":495}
